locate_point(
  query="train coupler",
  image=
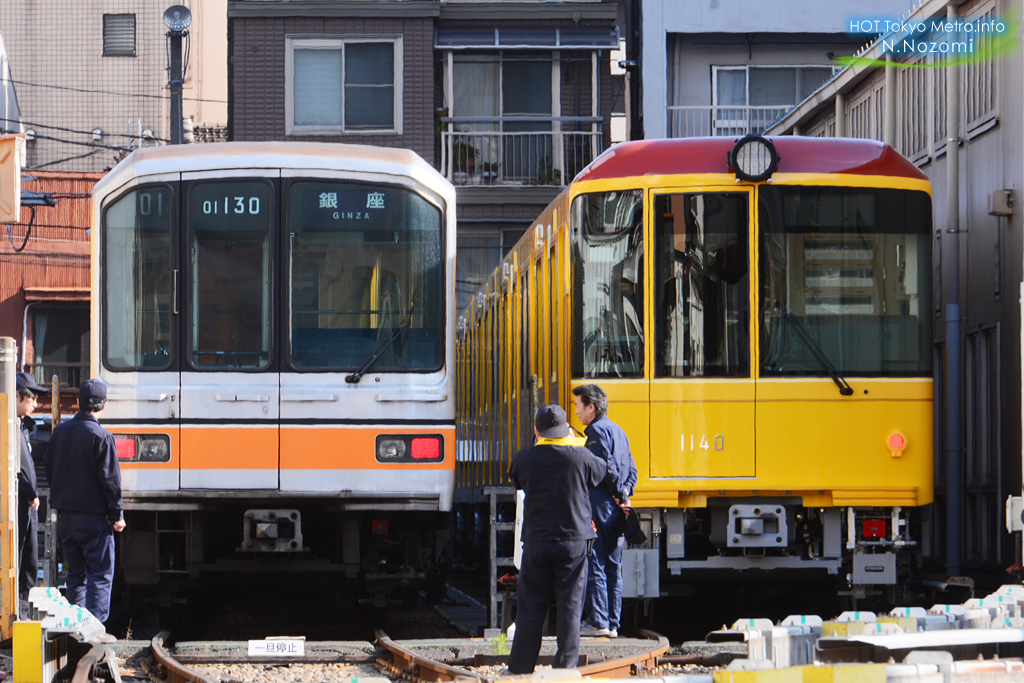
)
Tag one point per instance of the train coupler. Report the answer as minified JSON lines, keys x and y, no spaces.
{"x":272,"y":531}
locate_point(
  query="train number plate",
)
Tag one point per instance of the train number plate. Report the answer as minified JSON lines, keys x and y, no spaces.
{"x":277,"y":647}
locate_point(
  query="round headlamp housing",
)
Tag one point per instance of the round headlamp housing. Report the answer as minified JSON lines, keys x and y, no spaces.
{"x":177,"y":17}
{"x":754,"y":158}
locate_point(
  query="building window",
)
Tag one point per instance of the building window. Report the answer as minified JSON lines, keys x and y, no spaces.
{"x":343,"y":85}
{"x":118,"y":35}
{"x":748,"y":98}
{"x":60,"y":345}
{"x":478,"y":253}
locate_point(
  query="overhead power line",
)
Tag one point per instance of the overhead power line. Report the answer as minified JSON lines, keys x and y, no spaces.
{"x":72,"y":130}
{"x":112,"y":92}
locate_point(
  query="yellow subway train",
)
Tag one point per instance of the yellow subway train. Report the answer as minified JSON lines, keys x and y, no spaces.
{"x":759,"y":312}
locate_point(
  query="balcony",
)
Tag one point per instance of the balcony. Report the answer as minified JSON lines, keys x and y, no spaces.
{"x":694,"y":122}
{"x":518,"y":150}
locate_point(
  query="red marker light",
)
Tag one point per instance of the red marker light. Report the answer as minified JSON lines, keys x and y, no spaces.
{"x":125,"y":448}
{"x":426,"y":449}
{"x":896,"y":442}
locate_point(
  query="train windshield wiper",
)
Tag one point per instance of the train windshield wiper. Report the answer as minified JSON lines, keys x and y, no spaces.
{"x":383,"y":346}
{"x":844,"y":388}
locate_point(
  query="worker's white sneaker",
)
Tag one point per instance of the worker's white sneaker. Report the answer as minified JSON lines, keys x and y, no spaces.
{"x":591,"y":631}
{"x":613,"y":633}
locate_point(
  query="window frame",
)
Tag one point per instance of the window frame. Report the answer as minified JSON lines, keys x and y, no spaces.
{"x":338,"y":42}
{"x":173,"y":255}
{"x":746,"y":68}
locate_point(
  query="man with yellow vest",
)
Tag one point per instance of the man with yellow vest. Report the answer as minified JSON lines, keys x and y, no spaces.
{"x":556,"y":474}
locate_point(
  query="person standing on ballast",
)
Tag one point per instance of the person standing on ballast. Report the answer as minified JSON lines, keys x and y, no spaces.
{"x":556,"y":475}
{"x":28,"y":500}
{"x":85,"y":489}
{"x":610,"y":505}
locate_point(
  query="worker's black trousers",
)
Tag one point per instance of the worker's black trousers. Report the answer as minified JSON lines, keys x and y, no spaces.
{"x":558,"y":567}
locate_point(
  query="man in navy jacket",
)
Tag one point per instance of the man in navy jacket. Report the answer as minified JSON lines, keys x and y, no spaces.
{"x":610,"y":504}
{"x":85,"y":489}
{"x":556,"y":475}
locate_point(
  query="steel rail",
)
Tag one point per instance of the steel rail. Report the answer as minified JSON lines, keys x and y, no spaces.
{"x":176,"y":673}
{"x":83,"y":670}
{"x":408,"y":665}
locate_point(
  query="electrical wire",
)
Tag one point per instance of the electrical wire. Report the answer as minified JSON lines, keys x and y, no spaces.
{"x":28,"y":233}
{"x":51,"y":225}
{"x":68,"y":130}
{"x":112,"y":92}
{"x":61,"y":161}
{"x":84,"y":144}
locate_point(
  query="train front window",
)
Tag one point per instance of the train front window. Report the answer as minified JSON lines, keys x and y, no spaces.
{"x":230,"y":274}
{"x":608,"y":281}
{"x":845,"y":279}
{"x":367,"y":277}
{"x":702,"y":285}
{"x":137,"y":271}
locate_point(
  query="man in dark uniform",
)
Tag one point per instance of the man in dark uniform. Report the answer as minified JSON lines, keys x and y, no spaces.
{"x":85,"y":489}
{"x":556,"y":475}
{"x":28,"y":500}
{"x":610,"y":504}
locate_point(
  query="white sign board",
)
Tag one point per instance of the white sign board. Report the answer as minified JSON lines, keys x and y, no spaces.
{"x":277,"y":647}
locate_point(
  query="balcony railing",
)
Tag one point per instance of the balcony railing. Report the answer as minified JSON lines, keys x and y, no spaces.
{"x":518,"y":150}
{"x":693,"y":122}
{"x":71,"y":375}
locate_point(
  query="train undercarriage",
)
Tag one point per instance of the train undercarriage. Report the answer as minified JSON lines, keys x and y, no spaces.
{"x":377,"y":556}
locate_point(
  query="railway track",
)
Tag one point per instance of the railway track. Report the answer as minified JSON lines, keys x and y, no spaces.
{"x":420,"y":661}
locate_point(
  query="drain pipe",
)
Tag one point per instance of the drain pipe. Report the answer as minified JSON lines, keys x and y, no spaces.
{"x":951,"y":268}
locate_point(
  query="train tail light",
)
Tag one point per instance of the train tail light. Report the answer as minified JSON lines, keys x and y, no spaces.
{"x":126,"y":447}
{"x":428,"y":448}
{"x":406,"y":448}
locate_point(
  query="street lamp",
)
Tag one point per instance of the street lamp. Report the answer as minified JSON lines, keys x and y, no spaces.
{"x":177,"y":18}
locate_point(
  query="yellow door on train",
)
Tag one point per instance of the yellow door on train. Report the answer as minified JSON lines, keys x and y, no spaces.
{"x":701,"y":388}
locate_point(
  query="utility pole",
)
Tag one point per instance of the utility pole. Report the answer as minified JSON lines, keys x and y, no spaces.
{"x":177,"y":18}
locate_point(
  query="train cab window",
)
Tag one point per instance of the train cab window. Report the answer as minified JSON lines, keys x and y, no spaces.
{"x":702,"y":285}
{"x":366,"y":278}
{"x":136,"y":233}
{"x":608,"y":276}
{"x":230,"y":275}
{"x":844,"y":281}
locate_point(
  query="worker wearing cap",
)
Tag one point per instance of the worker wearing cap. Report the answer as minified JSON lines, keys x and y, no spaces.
{"x":28,"y":500}
{"x":85,"y":489}
{"x":556,"y":475}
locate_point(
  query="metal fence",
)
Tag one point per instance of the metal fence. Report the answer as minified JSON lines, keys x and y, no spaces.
{"x":71,"y":375}
{"x":522,"y":150}
{"x":693,"y":122}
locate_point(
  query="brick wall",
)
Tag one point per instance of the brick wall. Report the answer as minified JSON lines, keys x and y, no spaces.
{"x":257,"y":75}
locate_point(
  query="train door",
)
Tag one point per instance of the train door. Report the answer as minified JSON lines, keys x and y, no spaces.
{"x":702,"y":389}
{"x":137,"y":309}
{"x":230,"y":382}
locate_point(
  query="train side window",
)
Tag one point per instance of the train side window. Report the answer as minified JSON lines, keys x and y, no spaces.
{"x":702,"y":285}
{"x":137,"y":268}
{"x":230,"y":276}
{"x":607,"y":272}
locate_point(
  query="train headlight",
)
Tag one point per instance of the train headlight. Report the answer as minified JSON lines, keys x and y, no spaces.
{"x":143,"y":447}
{"x":390,"y":449}
{"x":753,"y":158}
{"x":418,"y":448}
